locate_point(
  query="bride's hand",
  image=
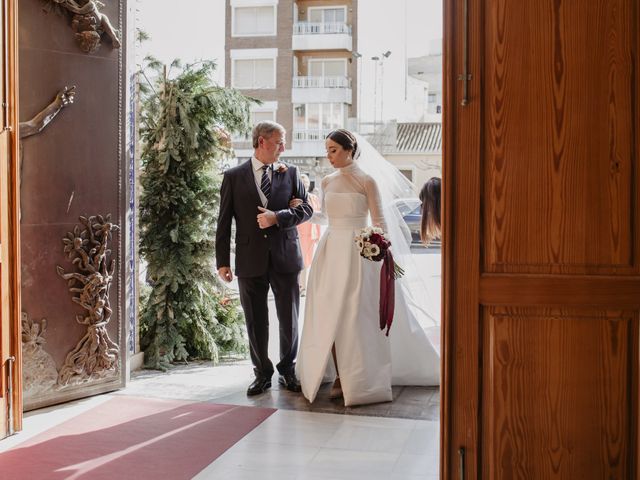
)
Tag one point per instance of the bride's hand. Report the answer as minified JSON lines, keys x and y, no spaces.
{"x":295,"y":202}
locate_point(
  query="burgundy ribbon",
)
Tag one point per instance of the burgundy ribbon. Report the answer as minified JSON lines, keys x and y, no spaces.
{"x":387,"y":292}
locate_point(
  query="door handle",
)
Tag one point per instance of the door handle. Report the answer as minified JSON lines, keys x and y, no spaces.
{"x":461,"y":471}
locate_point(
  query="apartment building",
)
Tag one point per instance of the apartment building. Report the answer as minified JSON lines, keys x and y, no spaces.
{"x":299,"y":58}
{"x":425,"y":84}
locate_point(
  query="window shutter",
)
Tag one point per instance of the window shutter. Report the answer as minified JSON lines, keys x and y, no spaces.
{"x":264,"y":73}
{"x":243,"y":74}
{"x":264,"y":20}
{"x":254,"y":20}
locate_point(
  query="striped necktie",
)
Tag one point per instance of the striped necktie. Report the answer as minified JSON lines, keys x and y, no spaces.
{"x":265,"y":183}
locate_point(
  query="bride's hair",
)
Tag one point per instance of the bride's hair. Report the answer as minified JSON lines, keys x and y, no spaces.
{"x":346,"y":140}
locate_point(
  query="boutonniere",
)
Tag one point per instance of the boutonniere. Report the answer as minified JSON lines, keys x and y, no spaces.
{"x":280,"y":168}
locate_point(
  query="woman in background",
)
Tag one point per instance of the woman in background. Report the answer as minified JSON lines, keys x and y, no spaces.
{"x":430,"y":227}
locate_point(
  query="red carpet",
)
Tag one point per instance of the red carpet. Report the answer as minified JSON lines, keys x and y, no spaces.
{"x":133,"y":438}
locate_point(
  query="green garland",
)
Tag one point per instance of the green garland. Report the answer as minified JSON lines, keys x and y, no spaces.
{"x":185,"y":122}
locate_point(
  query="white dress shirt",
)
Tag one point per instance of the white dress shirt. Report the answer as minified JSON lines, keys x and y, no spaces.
{"x":257,"y":174}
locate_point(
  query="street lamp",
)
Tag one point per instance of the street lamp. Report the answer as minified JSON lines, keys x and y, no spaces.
{"x":379,"y":60}
{"x":385,"y":55}
{"x":375,"y":91}
{"x":358,"y":57}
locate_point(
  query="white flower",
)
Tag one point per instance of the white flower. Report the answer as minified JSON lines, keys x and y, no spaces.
{"x":280,"y":167}
{"x":366,"y":251}
{"x":360,"y":244}
{"x":375,"y":250}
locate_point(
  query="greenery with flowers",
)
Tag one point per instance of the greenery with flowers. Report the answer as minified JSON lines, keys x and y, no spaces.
{"x":185,"y":125}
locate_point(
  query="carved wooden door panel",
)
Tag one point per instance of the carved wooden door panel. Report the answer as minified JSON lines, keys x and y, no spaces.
{"x":541,"y":239}
{"x":10,"y":378}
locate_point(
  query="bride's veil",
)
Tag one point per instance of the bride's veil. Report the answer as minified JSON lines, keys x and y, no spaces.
{"x":394,"y":185}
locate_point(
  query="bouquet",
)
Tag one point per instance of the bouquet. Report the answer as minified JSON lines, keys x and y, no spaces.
{"x":373,"y":245}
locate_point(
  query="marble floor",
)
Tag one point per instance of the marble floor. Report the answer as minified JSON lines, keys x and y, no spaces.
{"x":299,"y":445}
{"x":326,"y":441}
{"x":320,"y":446}
{"x":394,"y":440}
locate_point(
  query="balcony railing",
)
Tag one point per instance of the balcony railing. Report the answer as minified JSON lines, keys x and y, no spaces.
{"x":314,"y":28}
{"x":321,"y":82}
{"x":311,"y":135}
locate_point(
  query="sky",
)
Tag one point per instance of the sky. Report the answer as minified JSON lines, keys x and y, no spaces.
{"x":196,"y":31}
{"x":381,"y":28}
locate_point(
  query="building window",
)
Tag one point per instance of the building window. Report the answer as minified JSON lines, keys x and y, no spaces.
{"x":253,"y":68}
{"x":253,"y":21}
{"x":328,"y":14}
{"x":259,"y":113}
{"x":263,"y":112}
{"x":254,"y":73}
{"x":329,"y":67}
{"x":407,"y":173}
{"x":313,"y":121}
{"x":263,"y":116}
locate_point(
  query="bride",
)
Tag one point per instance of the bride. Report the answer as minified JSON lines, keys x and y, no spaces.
{"x":341,"y":338}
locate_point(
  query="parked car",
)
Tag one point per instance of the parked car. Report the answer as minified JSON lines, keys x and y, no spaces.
{"x":410,"y":209}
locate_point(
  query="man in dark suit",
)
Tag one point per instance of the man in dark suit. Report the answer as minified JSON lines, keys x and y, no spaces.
{"x":257,"y":194}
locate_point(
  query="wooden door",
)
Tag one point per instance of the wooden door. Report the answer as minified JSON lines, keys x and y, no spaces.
{"x":10,"y":372}
{"x":541,"y":240}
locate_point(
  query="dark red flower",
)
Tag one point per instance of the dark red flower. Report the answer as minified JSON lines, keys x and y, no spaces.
{"x":376,"y":238}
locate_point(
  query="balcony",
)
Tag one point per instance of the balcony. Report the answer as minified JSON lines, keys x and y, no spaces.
{"x":310,"y":143}
{"x":311,"y":135}
{"x":325,"y":89}
{"x":321,"y":36}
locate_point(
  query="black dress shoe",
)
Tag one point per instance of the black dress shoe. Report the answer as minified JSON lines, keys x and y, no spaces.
{"x":290,"y":382}
{"x":259,"y":385}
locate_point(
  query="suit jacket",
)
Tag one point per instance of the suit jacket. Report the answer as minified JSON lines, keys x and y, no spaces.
{"x":239,"y":200}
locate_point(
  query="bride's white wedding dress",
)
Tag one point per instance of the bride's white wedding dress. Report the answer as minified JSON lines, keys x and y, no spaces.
{"x":342,"y":306}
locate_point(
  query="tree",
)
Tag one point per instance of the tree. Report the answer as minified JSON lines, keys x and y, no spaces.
{"x":184,"y":129}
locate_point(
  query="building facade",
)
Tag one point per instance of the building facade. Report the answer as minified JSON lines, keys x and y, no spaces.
{"x":425,"y":84}
{"x":414,"y":148}
{"x":417,"y":151}
{"x":297,"y":57}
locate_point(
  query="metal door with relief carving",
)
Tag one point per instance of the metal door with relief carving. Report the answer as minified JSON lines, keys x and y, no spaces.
{"x":73,"y":201}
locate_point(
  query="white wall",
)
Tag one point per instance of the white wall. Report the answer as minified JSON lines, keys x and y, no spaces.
{"x":379,"y":25}
{"x":424,"y":166}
